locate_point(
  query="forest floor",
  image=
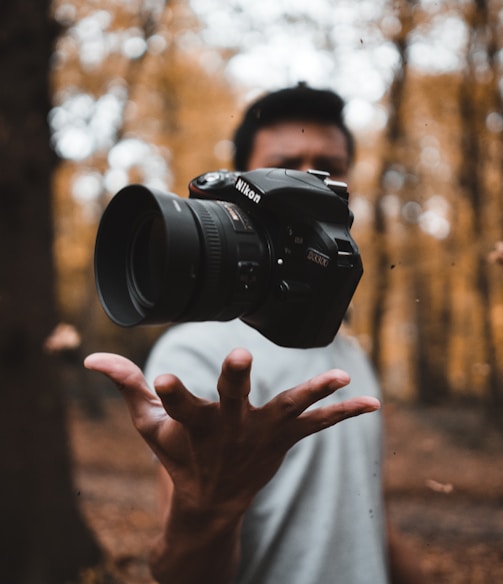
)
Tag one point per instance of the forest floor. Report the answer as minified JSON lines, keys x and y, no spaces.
{"x":444,"y":484}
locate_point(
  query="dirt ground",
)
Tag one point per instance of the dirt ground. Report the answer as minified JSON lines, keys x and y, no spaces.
{"x":444,"y":483}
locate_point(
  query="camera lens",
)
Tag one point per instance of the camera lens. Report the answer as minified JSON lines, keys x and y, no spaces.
{"x":146,"y":263}
{"x":160,"y":258}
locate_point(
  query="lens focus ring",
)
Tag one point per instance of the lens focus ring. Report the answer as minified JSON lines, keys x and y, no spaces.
{"x":213,"y":250}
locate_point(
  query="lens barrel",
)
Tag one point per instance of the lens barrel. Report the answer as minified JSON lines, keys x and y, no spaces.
{"x":160,"y":258}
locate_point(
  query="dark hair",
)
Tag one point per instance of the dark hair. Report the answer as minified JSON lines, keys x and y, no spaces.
{"x":299,"y":103}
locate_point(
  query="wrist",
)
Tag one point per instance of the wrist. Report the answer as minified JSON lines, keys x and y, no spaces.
{"x":191,"y":514}
{"x":197,"y":531}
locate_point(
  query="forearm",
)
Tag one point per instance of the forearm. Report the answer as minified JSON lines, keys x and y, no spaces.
{"x":197,"y":547}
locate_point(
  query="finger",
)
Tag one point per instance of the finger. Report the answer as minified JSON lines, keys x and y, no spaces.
{"x":234,"y":382}
{"x":293,"y":402}
{"x":123,"y":372}
{"x":318,"y":419}
{"x":178,"y":401}
{"x":143,"y":404}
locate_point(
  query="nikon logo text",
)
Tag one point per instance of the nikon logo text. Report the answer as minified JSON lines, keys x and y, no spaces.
{"x":246,"y":190}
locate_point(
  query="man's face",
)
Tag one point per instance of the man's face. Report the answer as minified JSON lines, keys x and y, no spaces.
{"x":302,"y":146}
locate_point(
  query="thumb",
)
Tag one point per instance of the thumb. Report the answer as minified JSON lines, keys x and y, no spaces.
{"x":120,"y":370}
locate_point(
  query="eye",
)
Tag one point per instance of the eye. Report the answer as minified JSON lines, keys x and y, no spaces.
{"x":338,"y":173}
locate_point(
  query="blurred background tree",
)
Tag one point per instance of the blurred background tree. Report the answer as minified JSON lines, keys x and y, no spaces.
{"x":42,"y":534}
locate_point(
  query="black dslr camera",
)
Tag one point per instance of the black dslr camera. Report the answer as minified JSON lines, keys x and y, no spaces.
{"x":270,"y":246}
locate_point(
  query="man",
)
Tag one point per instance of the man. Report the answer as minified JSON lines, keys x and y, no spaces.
{"x":278,"y":492}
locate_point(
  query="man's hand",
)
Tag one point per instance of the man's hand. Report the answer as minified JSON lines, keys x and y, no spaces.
{"x":220,"y":454}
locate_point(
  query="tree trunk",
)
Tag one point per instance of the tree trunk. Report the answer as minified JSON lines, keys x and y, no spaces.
{"x":43,"y":537}
{"x":395,"y":138}
{"x":431,"y":363}
{"x":472,"y":116}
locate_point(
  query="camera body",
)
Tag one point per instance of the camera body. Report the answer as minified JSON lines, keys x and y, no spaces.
{"x":269,"y":246}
